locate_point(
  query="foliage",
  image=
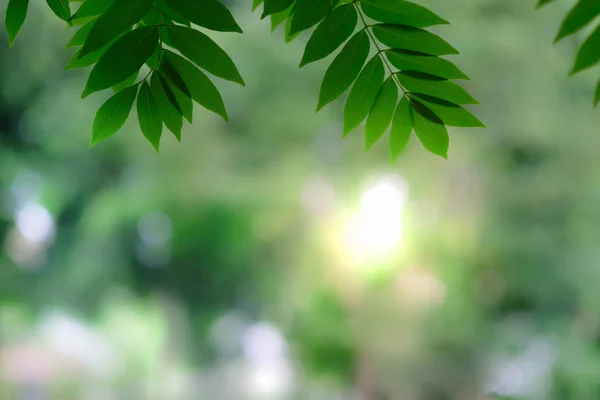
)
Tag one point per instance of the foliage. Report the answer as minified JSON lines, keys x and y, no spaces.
{"x":394,"y":65}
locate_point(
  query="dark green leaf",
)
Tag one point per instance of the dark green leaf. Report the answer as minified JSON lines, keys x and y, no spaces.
{"x":434,"y":86}
{"x":119,"y":17}
{"x":81,"y":35}
{"x":148,"y":116}
{"x":168,"y":113}
{"x":169,"y":93}
{"x":60,"y":8}
{"x":112,"y":114}
{"x":16,"y":12}
{"x":288,"y":29}
{"x":307,"y":14}
{"x":543,"y":2}
{"x":415,"y":39}
{"x":92,"y":8}
{"x":344,"y":69}
{"x":169,"y":72}
{"x":581,"y":15}
{"x":363,"y":94}
{"x":203,"y":91}
{"x":401,"y":129}
{"x":451,"y":114}
{"x":275,"y":6}
{"x":330,"y":34}
{"x":400,"y":12}
{"x":174,"y":15}
{"x":122,"y":59}
{"x":597,"y":95}
{"x":203,"y":51}
{"x":127,"y":82}
{"x":406,"y":60}
{"x":382,"y":112}
{"x":588,"y":54}
{"x":430,"y":130}
{"x":210,"y":14}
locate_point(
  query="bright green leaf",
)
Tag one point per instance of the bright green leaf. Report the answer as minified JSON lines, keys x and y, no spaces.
{"x":203,"y":91}
{"x":203,"y":51}
{"x":382,"y":112}
{"x":119,"y":17}
{"x":81,"y":35}
{"x":112,"y":114}
{"x":344,"y":69}
{"x":580,"y":16}
{"x":363,"y":94}
{"x":330,"y":34}
{"x":278,"y":19}
{"x":16,"y":12}
{"x":451,"y":114}
{"x":129,"y":53}
{"x":307,"y":14}
{"x":415,"y":39}
{"x":430,"y":130}
{"x":406,"y":60}
{"x":168,"y":113}
{"x":148,"y":116}
{"x":210,"y":14}
{"x":434,"y":86}
{"x":401,"y":129}
{"x":401,"y":12}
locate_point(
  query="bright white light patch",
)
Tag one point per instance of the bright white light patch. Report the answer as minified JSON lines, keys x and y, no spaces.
{"x":264,"y":344}
{"x":34,"y":223}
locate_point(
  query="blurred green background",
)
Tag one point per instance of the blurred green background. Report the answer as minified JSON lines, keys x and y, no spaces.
{"x":267,"y":258}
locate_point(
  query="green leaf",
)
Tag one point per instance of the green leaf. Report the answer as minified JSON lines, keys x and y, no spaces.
{"x":204,"y":52}
{"x":169,"y":72}
{"x":415,"y":39}
{"x":344,"y":69}
{"x":81,"y":35}
{"x":168,"y":113}
{"x":401,"y":129}
{"x":543,"y":2}
{"x":430,"y":130}
{"x":129,"y":53}
{"x":401,"y":12}
{"x":92,"y":8}
{"x":16,"y":12}
{"x":330,"y":34}
{"x":256,"y":3}
{"x":112,"y":114}
{"x":60,"y":8}
{"x":434,"y":86}
{"x":203,"y":91}
{"x":77,"y":61}
{"x":174,"y":15}
{"x":382,"y":112}
{"x":126,"y":83}
{"x":275,"y":6}
{"x":588,"y":54}
{"x":288,"y":29}
{"x":278,"y":19}
{"x":119,"y":17}
{"x":406,"y":60}
{"x":179,"y":89}
{"x":451,"y":114}
{"x":148,"y":116}
{"x":307,"y":14}
{"x":184,"y":102}
{"x":580,"y":15}
{"x":210,"y":14}
{"x":363,"y":94}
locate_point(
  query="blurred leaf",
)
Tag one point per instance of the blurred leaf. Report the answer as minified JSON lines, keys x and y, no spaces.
{"x":16,"y":13}
{"x":210,"y":14}
{"x":344,"y":69}
{"x":588,"y":54}
{"x":401,"y":129}
{"x":202,"y":90}
{"x":382,"y":112}
{"x":122,"y":59}
{"x":148,"y":116}
{"x":111,"y":116}
{"x":119,"y":17}
{"x":432,"y":65}
{"x":415,"y":39}
{"x":400,"y":12}
{"x":330,"y":34}
{"x":363,"y":94}
{"x":580,"y":15}
{"x":434,"y":86}
{"x":204,"y":52}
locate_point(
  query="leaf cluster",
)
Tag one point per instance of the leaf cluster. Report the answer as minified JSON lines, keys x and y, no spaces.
{"x":158,"y":56}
